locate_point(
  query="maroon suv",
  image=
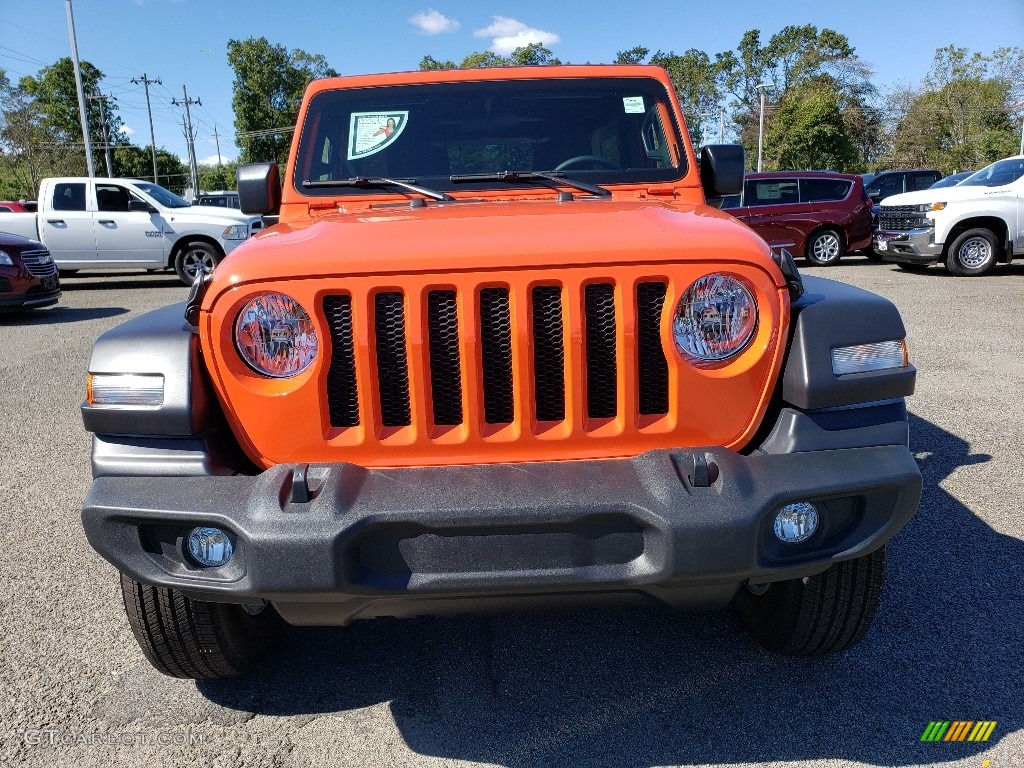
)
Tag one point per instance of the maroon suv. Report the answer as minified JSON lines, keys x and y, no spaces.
{"x":28,"y":276}
{"x":817,"y":214}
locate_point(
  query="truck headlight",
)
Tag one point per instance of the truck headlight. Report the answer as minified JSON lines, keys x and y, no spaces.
{"x":275,"y":336}
{"x":6,"y":260}
{"x":715,"y":319}
{"x":236,"y":232}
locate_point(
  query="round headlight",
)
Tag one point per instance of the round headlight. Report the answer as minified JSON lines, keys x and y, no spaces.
{"x":275,"y":336}
{"x":715,"y":319}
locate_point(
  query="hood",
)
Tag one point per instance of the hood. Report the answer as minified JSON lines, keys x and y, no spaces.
{"x":943,"y":194}
{"x":213,"y":214}
{"x":475,"y":236}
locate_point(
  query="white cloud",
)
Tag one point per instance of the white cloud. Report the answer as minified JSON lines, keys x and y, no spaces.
{"x":431,"y":22}
{"x":508,"y":34}
{"x":212,"y":160}
{"x":127,"y":130}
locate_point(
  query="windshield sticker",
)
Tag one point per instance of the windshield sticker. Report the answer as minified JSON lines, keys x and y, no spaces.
{"x":370,"y":132}
{"x":634,"y":105}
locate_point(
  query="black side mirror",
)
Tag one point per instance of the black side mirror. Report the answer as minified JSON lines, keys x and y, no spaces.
{"x":259,"y":188}
{"x":721,"y":170}
{"x":140,"y":206}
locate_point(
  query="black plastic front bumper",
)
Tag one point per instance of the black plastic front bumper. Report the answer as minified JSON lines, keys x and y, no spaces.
{"x":469,"y":538}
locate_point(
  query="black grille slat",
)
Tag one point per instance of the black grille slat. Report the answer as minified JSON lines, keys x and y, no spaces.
{"x":342,"y":396}
{"x":652,"y":367}
{"x":496,"y":355}
{"x":548,"y":353}
{"x":445,"y":371}
{"x":392,"y":361}
{"x":602,"y":392}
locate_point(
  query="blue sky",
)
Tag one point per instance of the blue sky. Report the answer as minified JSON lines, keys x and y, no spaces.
{"x":184,"y":41}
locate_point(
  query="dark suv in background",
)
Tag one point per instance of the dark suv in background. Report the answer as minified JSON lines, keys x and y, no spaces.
{"x":816,"y":214}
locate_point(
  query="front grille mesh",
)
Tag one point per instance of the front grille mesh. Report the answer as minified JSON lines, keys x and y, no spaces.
{"x":602,"y":366}
{"x":548,"y":353}
{"x":492,"y":333}
{"x":445,"y":373}
{"x":496,"y":348}
{"x":342,"y":396}
{"x":652,"y":367}
{"x":392,"y":362}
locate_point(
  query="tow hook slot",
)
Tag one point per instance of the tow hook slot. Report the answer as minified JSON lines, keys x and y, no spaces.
{"x":300,"y":484}
{"x":695,"y":469}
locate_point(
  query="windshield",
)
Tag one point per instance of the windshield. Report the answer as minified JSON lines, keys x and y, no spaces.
{"x":161,"y":195}
{"x":996,"y":175}
{"x":600,"y":130}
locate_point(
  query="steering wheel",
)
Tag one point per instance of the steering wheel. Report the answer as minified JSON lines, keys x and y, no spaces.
{"x":565,"y":164}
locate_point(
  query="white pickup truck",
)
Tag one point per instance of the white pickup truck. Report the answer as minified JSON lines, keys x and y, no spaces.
{"x":969,"y":227}
{"x":129,"y":224}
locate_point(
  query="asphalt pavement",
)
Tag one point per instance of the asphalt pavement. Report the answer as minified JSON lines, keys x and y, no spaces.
{"x":603,"y":688}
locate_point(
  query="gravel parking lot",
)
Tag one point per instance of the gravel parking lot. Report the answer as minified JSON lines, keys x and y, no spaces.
{"x":608,"y":688}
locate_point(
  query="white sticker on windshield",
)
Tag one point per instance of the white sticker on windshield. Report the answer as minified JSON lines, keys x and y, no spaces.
{"x":634,"y":105}
{"x":370,"y":132}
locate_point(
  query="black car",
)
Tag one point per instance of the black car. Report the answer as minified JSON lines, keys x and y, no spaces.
{"x":28,"y":276}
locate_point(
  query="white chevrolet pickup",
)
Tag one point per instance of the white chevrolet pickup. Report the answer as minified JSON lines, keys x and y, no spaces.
{"x":129,"y":224}
{"x":969,"y":227}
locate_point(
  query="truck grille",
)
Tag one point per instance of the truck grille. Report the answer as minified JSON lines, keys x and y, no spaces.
{"x":900,"y":217}
{"x":531,"y":387}
{"x":39,"y":263}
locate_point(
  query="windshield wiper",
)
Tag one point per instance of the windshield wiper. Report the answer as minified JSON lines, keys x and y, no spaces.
{"x":558,"y":179}
{"x":379,"y":181}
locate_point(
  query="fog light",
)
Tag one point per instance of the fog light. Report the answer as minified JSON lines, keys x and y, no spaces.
{"x":210,"y":547}
{"x":796,"y":522}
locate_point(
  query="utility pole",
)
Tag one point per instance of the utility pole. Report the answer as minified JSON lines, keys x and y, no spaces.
{"x":190,"y":135}
{"x":81,"y":92}
{"x":152,"y":139}
{"x":217,"y":139}
{"x":721,"y":126}
{"x":760,"y":131}
{"x":103,"y":127}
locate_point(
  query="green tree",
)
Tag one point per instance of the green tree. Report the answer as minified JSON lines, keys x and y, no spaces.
{"x":790,"y":59}
{"x":55,"y":94}
{"x":533,"y":54}
{"x":218,"y":176}
{"x":963,"y":115}
{"x":132,"y":162}
{"x":268,"y":87}
{"x":697,"y":88}
{"x":809,"y":131}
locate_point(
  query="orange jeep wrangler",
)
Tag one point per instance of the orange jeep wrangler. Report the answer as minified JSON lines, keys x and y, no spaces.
{"x":499,"y":353}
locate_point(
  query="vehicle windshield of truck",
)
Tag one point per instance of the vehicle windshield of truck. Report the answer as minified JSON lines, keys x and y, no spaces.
{"x":596,"y":130}
{"x":996,"y":175}
{"x":163,"y":196}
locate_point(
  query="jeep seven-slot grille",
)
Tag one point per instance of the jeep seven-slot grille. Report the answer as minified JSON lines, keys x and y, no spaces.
{"x":546,"y":312}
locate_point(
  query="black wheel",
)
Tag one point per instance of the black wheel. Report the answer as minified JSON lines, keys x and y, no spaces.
{"x":194,"y":259}
{"x":192,"y":639}
{"x":816,"y":615}
{"x":912,"y":267}
{"x":824,"y":247}
{"x":972,"y":253}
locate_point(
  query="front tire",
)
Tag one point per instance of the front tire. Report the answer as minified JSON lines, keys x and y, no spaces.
{"x":195,"y":259}
{"x":188,"y":638}
{"x":824,"y":248}
{"x":815,"y":615}
{"x":973,"y":253}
